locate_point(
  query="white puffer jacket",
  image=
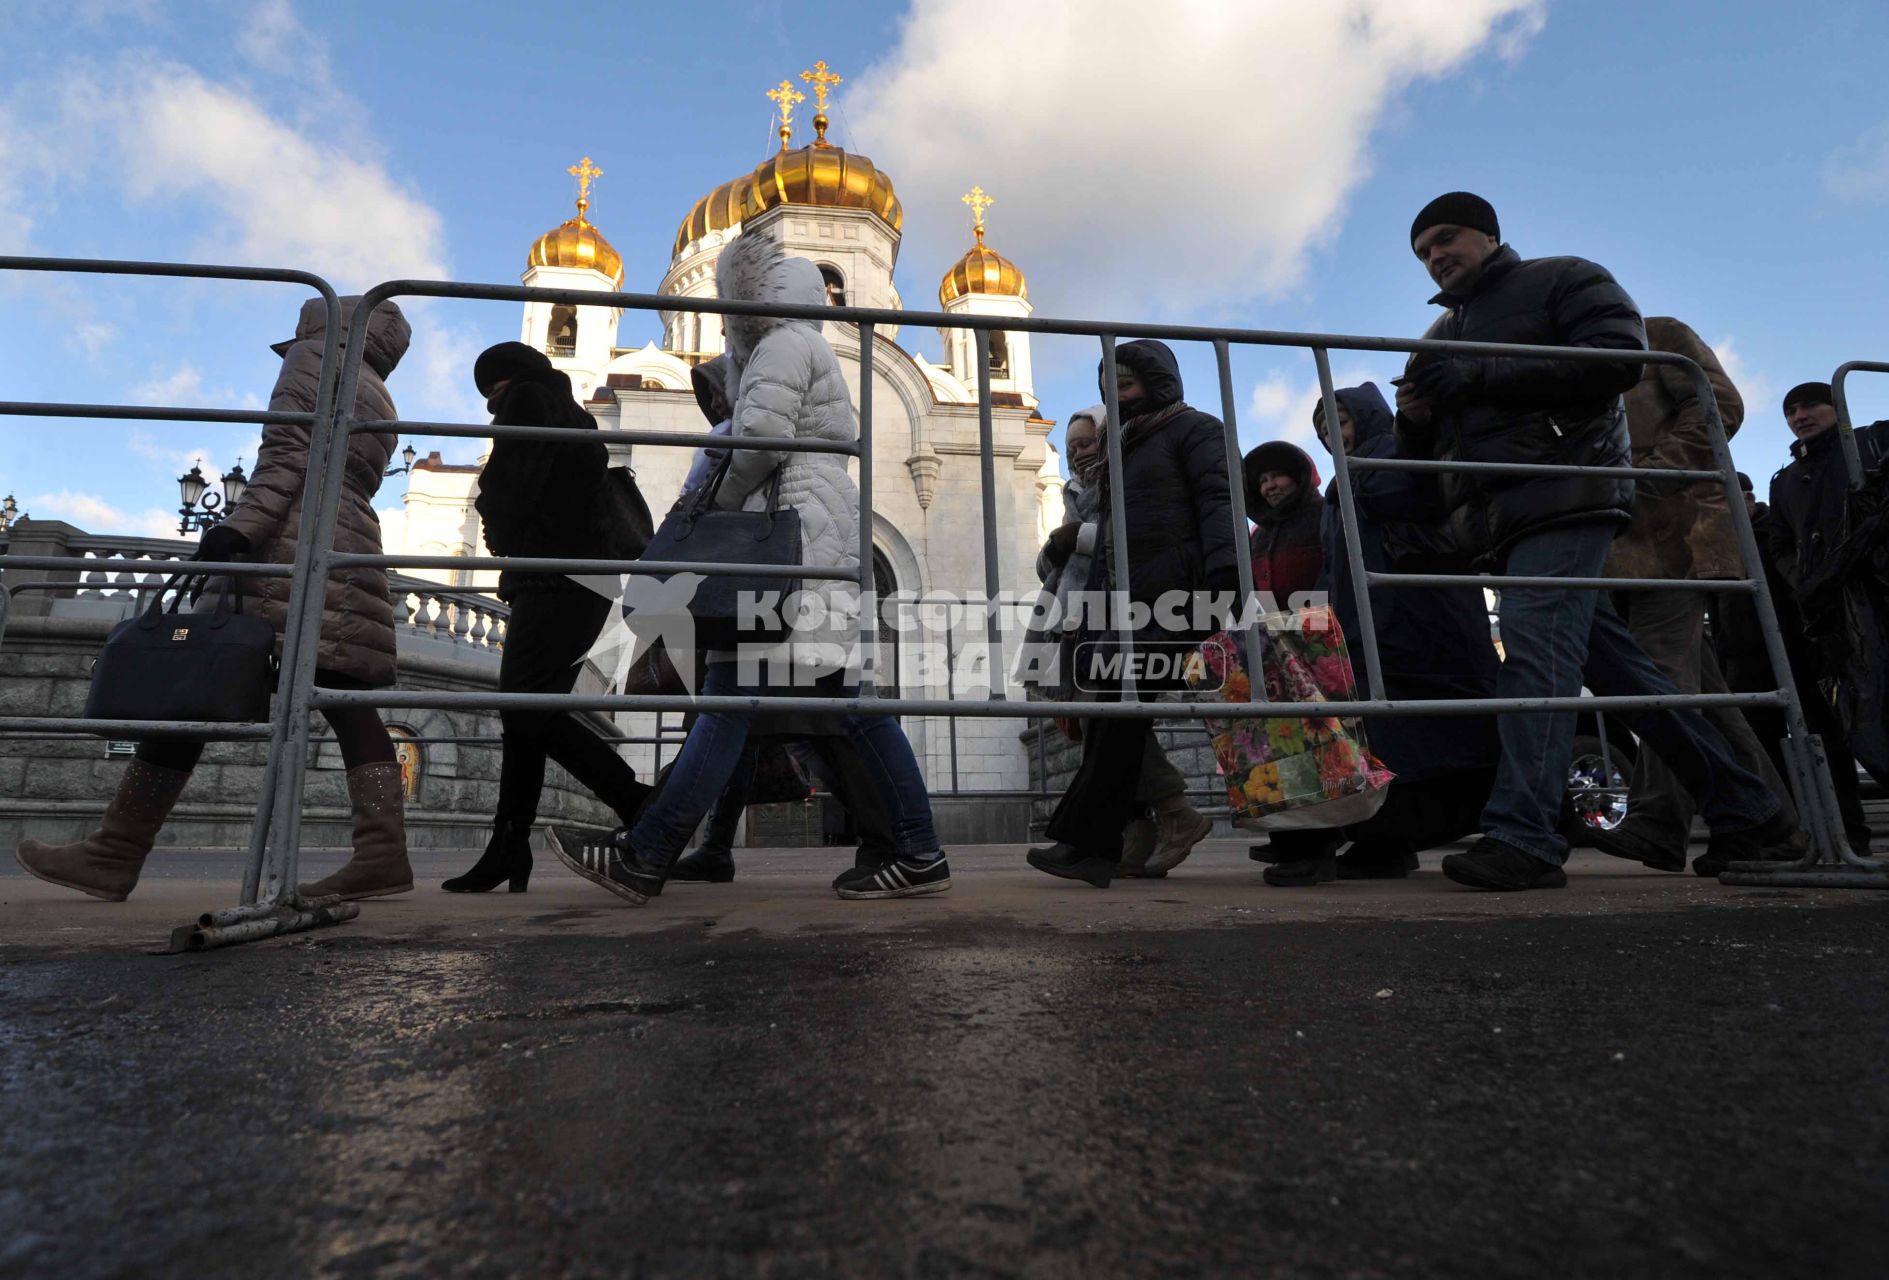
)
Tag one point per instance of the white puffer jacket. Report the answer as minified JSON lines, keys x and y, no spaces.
{"x":786,"y":383}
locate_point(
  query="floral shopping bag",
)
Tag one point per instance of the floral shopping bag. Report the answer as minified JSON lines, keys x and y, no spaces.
{"x":1286,"y":772}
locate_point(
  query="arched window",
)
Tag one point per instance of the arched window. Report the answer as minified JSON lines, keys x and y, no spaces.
{"x":999,"y":355}
{"x":563,"y":332}
{"x":885,"y":584}
{"x":835,"y":285}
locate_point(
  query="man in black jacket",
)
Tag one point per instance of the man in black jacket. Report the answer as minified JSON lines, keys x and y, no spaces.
{"x":1828,"y":543}
{"x":1524,"y":409}
{"x":1180,"y":541}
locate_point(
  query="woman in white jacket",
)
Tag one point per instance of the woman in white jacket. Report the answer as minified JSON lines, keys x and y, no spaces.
{"x":785,"y":383}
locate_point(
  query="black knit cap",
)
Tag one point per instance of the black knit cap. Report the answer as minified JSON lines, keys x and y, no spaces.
{"x":1457,"y":209}
{"x":508,"y":361}
{"x":1744,"y":482}
{"x":1809,"y":393}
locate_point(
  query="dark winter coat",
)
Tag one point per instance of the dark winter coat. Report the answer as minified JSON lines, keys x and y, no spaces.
{"x":1174,"y":468}
{"x":539,"y":497}
{"x":1533,"y":410}
{"x":1432,"y":642}
{"x":1681,"y":529}
{"x":1739,"y":639}
{"x":1832,"y":546}
{"x":357,"y":615}
{"x":1288,"y":557}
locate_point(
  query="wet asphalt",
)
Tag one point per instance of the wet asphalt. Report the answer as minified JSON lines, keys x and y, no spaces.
{"x":1689,"y":1091}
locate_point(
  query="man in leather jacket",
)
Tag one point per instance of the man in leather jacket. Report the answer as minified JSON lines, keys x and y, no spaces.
{"x":1530,"y":409}
{"x":1829,"y":542}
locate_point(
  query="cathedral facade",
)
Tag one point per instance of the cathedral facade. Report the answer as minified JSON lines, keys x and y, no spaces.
{"x":839,"y":210}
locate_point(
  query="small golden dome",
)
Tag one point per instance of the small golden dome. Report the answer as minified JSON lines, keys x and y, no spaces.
{"x":982,"y":270}
{"x":577,"y":243}
{"x":822,"y":175}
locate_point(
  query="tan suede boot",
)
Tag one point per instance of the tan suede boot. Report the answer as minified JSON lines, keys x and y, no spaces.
{"x":106,"y":863}
{"x":1137,"y":845}
{"x":1178,"y":827}
{"x":379,"y":866}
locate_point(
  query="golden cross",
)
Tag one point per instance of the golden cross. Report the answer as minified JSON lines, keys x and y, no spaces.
{"x":786,"y":98}
{"x":978,"y":202}
{"x":584,"y":171}
{"x":822,"y":81}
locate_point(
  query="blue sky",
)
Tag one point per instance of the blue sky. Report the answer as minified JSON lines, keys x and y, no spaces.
{"x":1253,"y":163}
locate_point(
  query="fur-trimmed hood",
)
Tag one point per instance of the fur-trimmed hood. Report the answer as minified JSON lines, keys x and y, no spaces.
{"x":754,"y":268}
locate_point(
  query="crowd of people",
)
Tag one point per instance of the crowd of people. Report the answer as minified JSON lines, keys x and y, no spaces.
{"x":1501,"y":778}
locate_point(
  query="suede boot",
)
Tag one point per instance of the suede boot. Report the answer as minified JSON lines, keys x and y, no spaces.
{"x":1137,"y":847}
{"x":379,"y":866}
{"x":1178,"y":827}
{"x":106,"y":863}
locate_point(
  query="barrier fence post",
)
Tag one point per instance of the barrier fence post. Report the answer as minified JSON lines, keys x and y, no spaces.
{"x":1245,"y":615}
{"x":868,"y":582}
{"x":987,"y":448}
{"x":1117,"y":597}
{"x":1354,"y":546}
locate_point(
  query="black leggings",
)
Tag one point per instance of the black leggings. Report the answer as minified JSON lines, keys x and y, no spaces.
{"x":549,"y":635}
{"x":362,"y":737}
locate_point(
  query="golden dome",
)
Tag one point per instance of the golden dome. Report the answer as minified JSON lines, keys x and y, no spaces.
{"x":577,"y":243}
{"x":982,"y":270}
{"x":821,"y":175}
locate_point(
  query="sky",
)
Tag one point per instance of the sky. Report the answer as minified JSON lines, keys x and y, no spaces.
{"x":1253,"y":163}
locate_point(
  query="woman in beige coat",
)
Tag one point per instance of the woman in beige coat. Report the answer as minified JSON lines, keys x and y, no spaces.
{"x":356,"y":647}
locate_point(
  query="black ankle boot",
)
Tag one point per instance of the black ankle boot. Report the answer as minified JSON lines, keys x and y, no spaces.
{"x":507,"y":856}
{"x":1071,"y":863}
{"x":704,"y":866}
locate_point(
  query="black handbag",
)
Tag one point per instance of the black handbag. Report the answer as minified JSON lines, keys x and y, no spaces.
{"x":624,"y":516}
{"x":696,"y":532}
{"x":166,"y":665}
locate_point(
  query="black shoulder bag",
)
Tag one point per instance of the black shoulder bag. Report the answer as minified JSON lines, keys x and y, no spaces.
{"x":166,"y":665}
{"x":696,"y":532}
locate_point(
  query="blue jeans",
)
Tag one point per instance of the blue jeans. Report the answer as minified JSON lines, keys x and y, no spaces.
{"x":1555,"y":642}
{"x":715,"y":746}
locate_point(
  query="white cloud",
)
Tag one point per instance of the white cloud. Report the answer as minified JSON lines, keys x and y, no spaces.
{"x":1753,"y":387}
{"x":1859,"y":172}
{"x":95,"y":515}
{"x":1280,"y":407}
{"x":1266,"y":110}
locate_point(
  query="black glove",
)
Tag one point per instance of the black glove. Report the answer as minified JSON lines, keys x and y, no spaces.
{"x":221,"y":543}
{"x":1062,"y":544}
{"x":1449,"y":380}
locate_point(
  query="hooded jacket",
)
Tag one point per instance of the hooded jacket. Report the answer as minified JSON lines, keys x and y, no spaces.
{"x":785,"y":382}
{"x":708,"y":379}
{"x":1174,"y":468}
{"x":1533,"y":410}
{"x":536,"y":497}
{"x":1287,"y":554}
{"x":1681,"y":529}
{"x":1432,"y":642}
{"x":357,"y":617}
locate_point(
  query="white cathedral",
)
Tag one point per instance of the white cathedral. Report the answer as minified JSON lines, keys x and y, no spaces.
{"x":839,"y":210}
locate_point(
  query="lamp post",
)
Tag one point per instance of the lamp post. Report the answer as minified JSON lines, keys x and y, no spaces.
{"x":9,"y":511}
{"x":407,"y":455}
{"x":202,"y":507}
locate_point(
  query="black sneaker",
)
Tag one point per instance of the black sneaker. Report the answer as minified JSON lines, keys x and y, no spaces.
{"x":1620,"y":843}
{"x":1363,"y":863}
{"x":900,"y":878}
{"x":1071,"y":863}
{"x":1490,"y":864}
{"x":613,"y":866}
{"x":1302,"y":871}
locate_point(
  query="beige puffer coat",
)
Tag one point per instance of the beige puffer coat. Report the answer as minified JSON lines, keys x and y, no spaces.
{"x":357,"y":618}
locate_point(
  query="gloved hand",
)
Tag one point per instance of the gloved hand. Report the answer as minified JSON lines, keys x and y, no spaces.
{"x":1445,"y":381}
{"x":221,"y":543}
{"x":1062,"y":543}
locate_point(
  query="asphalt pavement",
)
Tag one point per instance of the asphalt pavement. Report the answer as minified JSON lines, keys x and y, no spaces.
{"x":1639,"y":1075}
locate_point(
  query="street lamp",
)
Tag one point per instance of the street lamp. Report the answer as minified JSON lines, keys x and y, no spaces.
{"x":407,"y":455}
{"x":8,"y":511}
{"x":202,"y":508}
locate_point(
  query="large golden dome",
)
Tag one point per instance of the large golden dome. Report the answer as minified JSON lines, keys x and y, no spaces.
{"x":982,"y":269}
{"x":821,"y":174}
{"x":577,"y":243}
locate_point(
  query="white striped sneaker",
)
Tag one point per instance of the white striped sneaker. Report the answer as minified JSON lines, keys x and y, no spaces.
{"x":604,"y":865}
{"x":900,"y":878}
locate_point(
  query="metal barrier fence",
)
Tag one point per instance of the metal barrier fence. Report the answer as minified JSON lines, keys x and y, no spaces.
{"x":269,"y":891}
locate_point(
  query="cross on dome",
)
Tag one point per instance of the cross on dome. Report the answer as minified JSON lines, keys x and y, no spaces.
{"x":822,"y":81}
{"x":786,"y":98}
{"x":978,"y":202}
{"x":584,"y":171}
